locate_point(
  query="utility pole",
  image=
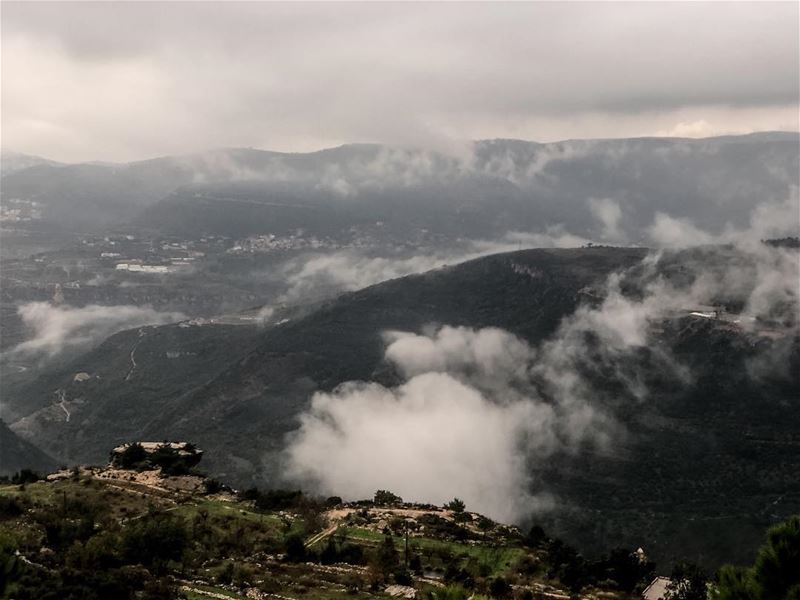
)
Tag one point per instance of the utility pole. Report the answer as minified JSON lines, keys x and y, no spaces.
{"x":405,"y":521}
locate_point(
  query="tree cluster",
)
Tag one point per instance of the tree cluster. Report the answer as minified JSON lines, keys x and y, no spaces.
{"x":170,"y":460}
{"x":775,"y":573}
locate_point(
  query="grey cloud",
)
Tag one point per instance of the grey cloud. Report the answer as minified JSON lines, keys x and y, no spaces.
{"x":430,"y":439}
{"x":56,"y":328}
{"x":768,"y":219}
{"x":454,"y":428}
{"x":487,"y":354}
{"x":139,"y":79}
{"x":677,"y":232}
{"x":312,"y":276}
{"x":609,"y":213}
{"x":308,"y":277}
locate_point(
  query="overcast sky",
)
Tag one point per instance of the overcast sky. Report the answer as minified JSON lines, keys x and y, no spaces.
{"x":128,"y":81}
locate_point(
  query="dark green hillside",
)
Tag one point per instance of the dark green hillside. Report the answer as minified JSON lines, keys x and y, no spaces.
{"x":17,"y":454}
{"x":716,"y":455}
{"x":703,"y":468}
{"x":130,"y":380}
{"x":477,"y":207}
{"x":245,"y":382}
{"x":342,"y":341}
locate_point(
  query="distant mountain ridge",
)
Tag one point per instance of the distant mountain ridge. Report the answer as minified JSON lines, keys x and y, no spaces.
{"x":776,"y":135}
{"x":11,"y":162}
{"x":495,"y":184}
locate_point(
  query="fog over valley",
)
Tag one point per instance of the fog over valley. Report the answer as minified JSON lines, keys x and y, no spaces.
{"x":434,"y":301}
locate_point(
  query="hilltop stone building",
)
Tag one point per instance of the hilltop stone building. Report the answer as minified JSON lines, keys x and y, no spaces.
{"x":190,"y":454}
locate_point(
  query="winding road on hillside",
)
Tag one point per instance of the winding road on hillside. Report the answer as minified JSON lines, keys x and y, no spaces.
{"x":133,"y":353}
{"x":62,"y":398}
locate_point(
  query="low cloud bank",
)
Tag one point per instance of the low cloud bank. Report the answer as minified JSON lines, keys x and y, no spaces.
{"x":609,"y":213}
{"x":311,"y":277}
{"x":57,"y":328}
{"x":480,"y":410}
{"x":454,"y":428}
{"x":767,"y":220}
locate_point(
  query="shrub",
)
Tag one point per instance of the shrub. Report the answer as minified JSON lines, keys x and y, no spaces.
{"x":132,"y":456}
{"x":212,"y":486}
{"x":415,"y":564}
{"x":273,"y":499}
{"x":775,"y":574}
{"x":154,"y":540}
{"x":567,"y":565}
{"x":329,"y":554}
{"x":295,"y":549}
{"x":225,"y":574}
{"x":170,"y":460}
{"x":386,"y":558}
{"x":499,"y":588}
{"x":536,"y":537}
{"x":451,"y":592}
{"x":163,"y":588}
{"x":687,"y":582}
{"x":11,"y":567}
{"x":25,"y":476}
{"x":625,"y":569}
{"x":735,"y":583}
{"x":456,"y":505}
{"x":351,"y":554}
{"x":777,"y":567}
{"x":403,"y":577}
{"x":10,"y":507}
{"x":386,"y":498}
